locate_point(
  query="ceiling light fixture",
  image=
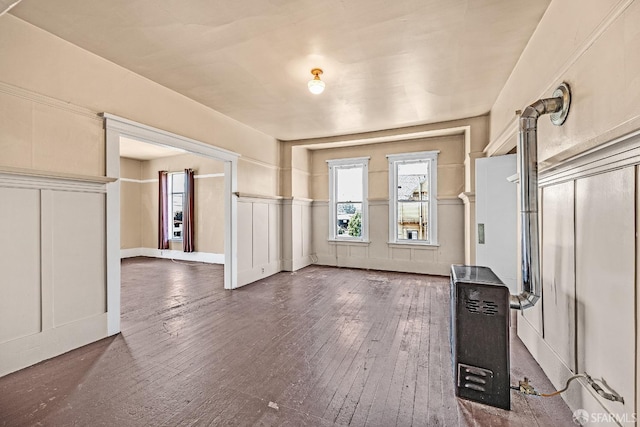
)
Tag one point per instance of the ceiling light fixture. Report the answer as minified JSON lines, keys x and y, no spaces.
{"x":316,"y":86}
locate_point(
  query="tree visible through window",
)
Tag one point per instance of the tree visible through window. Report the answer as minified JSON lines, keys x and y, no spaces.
{"x":348,"y":195}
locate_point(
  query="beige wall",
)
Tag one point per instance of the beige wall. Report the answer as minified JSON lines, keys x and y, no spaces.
{"x":450,"y":165}
{"x":379,"y":254}
{"x":587,"y":318}
{"x":304,"y":186}
{"x":50,"y":94}
{"x":595,"y":49}
{"x":300,"y":183}
{"x":301,"y":167}
{"x":139,"y":214}
{"x":37,"y":136}
{"x":130,"y":204}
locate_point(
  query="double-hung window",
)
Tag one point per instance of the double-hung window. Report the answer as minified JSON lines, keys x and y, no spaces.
{"x":348,"y":207}
{"x":175,"y":205}
{"x":413,"y":203}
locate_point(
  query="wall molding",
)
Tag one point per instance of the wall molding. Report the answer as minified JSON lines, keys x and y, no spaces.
{"x":48,"y":101}
{"x":156,"y":136}
{"x":616,"y":154}
{"x":502,"y":144}
{"x":206,"y":257}
{"x":139,"y":181}
{"x":288,"y":201}
{"x":437,"y":268}
{"x":377,"y":202}
{"x":467,"y":197}
{"x":155,"y":180}
{"x":299,"y":170}
{"x":257,"y":198}
{"x":375,"y":137}
{"x":445,"y":201}
{"x":25,"y":178}
{"x":116,"y":127}
{"x":259,"y":163}
{"x":209,"y":175}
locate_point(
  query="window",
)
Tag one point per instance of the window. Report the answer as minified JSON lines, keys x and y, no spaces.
{"x":175,"y":205}
{"x":413,"y":201}
{"x":348,"y":199}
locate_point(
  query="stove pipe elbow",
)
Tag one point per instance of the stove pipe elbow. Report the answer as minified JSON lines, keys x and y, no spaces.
{"x":558,"y":107}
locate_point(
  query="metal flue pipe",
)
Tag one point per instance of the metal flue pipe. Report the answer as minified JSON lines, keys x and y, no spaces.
{"x":558,"y":107}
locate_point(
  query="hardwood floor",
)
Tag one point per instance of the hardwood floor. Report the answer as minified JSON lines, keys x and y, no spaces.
{"x":319,"y":347}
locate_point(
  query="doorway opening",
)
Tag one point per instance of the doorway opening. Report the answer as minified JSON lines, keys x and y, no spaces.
{"x":223,"y":166}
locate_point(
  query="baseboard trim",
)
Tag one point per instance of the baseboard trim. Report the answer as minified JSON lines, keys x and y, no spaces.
{"x":580,"y":395}
{"x":386,"y":264}
{"x":248,"y":276}
{"x":296,"y":264}
{"x":206,"y":257}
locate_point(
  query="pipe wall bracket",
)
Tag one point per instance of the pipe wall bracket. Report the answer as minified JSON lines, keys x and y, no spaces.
{"x":563,"y":91}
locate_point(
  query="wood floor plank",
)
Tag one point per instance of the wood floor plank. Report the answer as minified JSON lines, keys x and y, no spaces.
{"x":319,"y":347}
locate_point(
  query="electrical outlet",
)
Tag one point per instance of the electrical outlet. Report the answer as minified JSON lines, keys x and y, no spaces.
{"x":262,"y":270}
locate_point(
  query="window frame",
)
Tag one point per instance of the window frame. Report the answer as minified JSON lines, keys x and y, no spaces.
{"x":432,"y":230}
{"x":170,"y":213}
{"x":334,"y":166}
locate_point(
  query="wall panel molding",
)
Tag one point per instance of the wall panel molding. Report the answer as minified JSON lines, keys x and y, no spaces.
{"x":69,"y":264}
{"x":252,"y":198}
{"x":260,"y":243}
{"x":616,"y":154}
{"x":259,"y":163}
{"x":155,"y":180}
{"x":48,"y":101}
{"x":27,"y":178}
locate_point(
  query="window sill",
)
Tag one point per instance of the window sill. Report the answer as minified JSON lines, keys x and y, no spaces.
{"x":409,"y":244}
{"x":348,"y":242}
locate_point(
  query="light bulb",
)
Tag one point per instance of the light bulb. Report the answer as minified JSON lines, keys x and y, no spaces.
{"x":316,"y":86}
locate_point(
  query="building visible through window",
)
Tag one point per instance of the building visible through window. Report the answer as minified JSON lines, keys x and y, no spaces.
{"x":412,"y":193}
{"x":175,"y":205}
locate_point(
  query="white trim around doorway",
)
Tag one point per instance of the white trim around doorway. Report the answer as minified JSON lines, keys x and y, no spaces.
{"x":115,"y":127}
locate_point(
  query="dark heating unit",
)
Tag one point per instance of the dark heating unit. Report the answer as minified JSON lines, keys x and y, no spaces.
{"x":480,"y":335}
{"x":480,"y":302}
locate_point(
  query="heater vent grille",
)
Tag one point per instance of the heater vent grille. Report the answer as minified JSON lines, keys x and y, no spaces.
{"x":475,"y":378}
{"x":488,"y":308}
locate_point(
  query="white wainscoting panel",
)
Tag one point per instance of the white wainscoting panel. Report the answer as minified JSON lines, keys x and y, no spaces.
{"x":558,"y":271}
{"x":53,"y":263}
{"x":296,"y":234}
{"x":589,"y":272}
{"x":379,"y":254}
{"x":605,"y":278}
{"x":259,"y":228}
{"x":20,"y":299}
{"x":78,"y":243}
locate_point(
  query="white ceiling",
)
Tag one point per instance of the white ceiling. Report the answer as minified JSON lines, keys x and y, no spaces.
{"x":387,"y":64}
{"x":134,"y":149}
